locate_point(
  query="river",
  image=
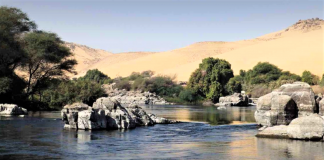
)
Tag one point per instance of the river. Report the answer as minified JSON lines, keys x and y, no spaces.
{"x":207,"y":133}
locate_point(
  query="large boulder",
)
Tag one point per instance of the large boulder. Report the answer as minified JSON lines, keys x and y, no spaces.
{"x":274,"y":132}
{"x":117,"y":116}
{"x":274,"y":109}
{"x":303,"y":96}
{"x":12,"y":109}
{"x":309,"y":127}
{"x":139,"y":115}
{"x":321,"y":107}
{"x":106,"y":114}
{"x":236,"y":99}
{"x":286,"y":103}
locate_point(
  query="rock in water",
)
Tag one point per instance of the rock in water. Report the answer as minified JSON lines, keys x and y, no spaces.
{"x":273,"y":109}
{"x":161,"y":120}
{"x":236,"y":99}
{"x":303,"y":96}
{"x":286,"y":103}
{"x":274,"y":132}
{"x":12,"y":109}
{"x":308,"y":127}
{"x":139,"y":115}
{"x":107,"y":113}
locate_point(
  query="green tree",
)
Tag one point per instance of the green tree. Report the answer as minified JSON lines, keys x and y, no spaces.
{"x":234,"y":85}
{"x":309,"y":78}
{"x":263,"y":72}
{"x":13,"y":23}
{"x":97,"y":76}
{"x":188,"y":95}
{"x":210,"y":79}
{"x":46,"y":58}
{"x":70,"y":91}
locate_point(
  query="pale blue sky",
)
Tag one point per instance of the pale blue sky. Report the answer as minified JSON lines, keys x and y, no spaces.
{"x":160,"y":25}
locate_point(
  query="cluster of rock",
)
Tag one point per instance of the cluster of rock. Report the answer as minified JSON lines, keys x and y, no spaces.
{"x":12,"y":109}
{"x":131,"y":97}
{"x":237,"y":99}
{"x":107,"y":113}
{"x":292,"y":111}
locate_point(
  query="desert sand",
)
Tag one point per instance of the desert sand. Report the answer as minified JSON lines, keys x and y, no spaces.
{"x":295,"y":49}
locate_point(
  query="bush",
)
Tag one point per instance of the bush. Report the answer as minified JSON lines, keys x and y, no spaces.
{"x":262,"y":73}
{"x":210,"y":79}
{"x":162,"y":86}
{"x":310,"y":78}
{"x":188,"y":95}
{"x":123,"y":84}
{"x":68,"y":92}
{"x":97,"y":76}
{"x":234,"y":85}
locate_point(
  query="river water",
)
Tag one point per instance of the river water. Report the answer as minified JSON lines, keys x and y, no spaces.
{"x":207,"y":134}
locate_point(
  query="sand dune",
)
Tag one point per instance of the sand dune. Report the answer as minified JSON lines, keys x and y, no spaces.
{"x":297,"y":48}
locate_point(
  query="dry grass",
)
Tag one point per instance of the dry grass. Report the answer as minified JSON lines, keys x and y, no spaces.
{"x":318,"y":89}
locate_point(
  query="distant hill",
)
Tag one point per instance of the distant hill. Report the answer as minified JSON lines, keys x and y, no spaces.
{"x":296,"y":48}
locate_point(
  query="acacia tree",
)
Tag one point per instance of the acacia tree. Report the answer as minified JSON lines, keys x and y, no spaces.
{"x":13,"y":24}
{"x":210,"y":79}
{"x":46,"y":58}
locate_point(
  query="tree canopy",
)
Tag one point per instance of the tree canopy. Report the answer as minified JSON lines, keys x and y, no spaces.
{"x":97,"y":76}
{"x":210,"y":79}
{"x":310,"y":78}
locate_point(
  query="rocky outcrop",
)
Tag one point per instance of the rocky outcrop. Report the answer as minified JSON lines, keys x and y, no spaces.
{"x":12,"y":109}
{"x":281,"y":106}
{"x":107,"y":113}
{"x":133,"y":97}
{"x":302,"y":94}
{"x":309,"y":128}
{"x":273,"y":109}
{"x":236,"y":99}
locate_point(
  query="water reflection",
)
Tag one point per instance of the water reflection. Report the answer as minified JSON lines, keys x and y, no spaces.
{"x":211,"y":115}
{"x":294,"y":149}
{"x":41,"y":136}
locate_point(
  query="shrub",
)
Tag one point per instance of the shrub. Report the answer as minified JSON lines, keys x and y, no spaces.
{"x":97,"y":76}
{"x":123,"y":84}
{"x":188,"y":95}
{"x":310,"y":78}
{"x":162,"y":85}
{"x":68,"y":92}
{"x":234,"y":85}
{"x":210,"y":79}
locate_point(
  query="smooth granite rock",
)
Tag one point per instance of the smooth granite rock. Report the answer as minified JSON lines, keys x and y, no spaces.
{"x":309,"y":127}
